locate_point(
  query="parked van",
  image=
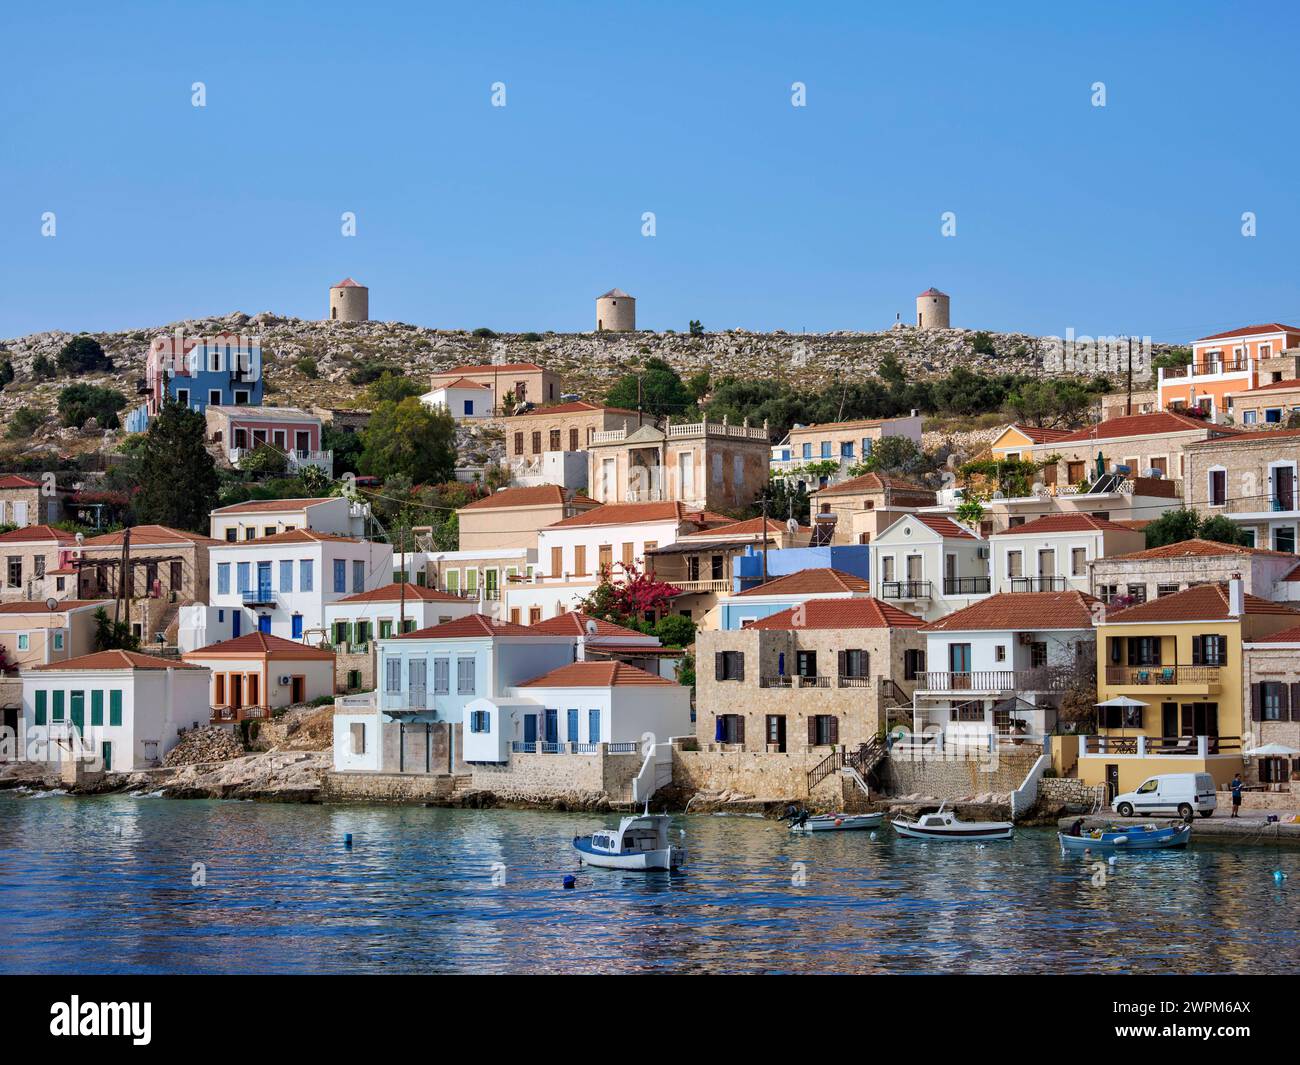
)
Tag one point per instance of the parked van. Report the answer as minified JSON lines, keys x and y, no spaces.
{"x":1175,"y":793}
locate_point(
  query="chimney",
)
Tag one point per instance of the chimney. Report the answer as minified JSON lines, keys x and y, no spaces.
{"x":1236,"y":600}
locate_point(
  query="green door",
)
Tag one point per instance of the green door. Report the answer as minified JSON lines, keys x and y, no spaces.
{"x":79,"y":711}
{"x":107,"y":751}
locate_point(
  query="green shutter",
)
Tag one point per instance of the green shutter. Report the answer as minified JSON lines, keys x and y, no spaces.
{"x":58,"y":706}
{"x":385,"y":629}
{"x":96,"y":708}
{"x":79,"y":710}
{"x":40,"y":707}
{"x":115,"y":707}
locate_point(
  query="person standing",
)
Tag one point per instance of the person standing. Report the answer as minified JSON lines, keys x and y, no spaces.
{"x":1236,"y":793}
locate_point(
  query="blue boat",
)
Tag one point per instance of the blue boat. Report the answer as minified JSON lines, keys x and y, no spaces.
{"x":1148,"y":837}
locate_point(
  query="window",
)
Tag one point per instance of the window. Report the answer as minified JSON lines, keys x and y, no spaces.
{"x":58,"y":641}
{"x":606,"y":552}
{"x":242,"y":576}
{"x":305,"y":575}
{"x":1284,"y":539}
{"x":537,"y":443}
{"x":1138,"y":593}
{"x":1209,"y":650}
{"x":846,"y":449}
{"x":573,"y":440}
{"x":627,"y":554}
{"x":823,"y":730}
{"x":572,"y":719}
{"x":593,"y":726}
{"x":286,"y":575}
{"x":464,"y":676}
{"x":519,"y":443}
{"x":24,"y":642}
{"x":557,"y":561}
{"x":826,"y":449}
{"x":806,"y":663}
{"x":1037,"y":655}
{"x":268,"y":530}
{"x":1078,"y":561}
{"x":480,"y":721}
{"x":15,"y":572}
{"x":358,"y":576}
{"x":392,"y":674}
{"x":1000,"y":653}
{"x":1250,"y":417}
{"x":97,"y":708}
{"x":807,"y":451}
{"x":1166,"y":589}
{"x":887,"y":568}
{"x":729,"y":665}
{"x":1218,"y":488}
{"x":855,"y":663}
{"x":913,"y":663}
{"x":115,"y":707}
{"x":1144,"y":650}
{"x":39,"y":707}
{"x":441,"y":676}
{"x":231,"y":536}
{"x":580,"y":560}
{"x":555,"y":439}
{"x":340,"y":575}
{"x":1015,"y":563}
{"x":56,"y":713}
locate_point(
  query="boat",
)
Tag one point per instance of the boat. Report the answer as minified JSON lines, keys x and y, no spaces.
{"x":639,"y":842}
{"x":1148,"y":837}
{"x":944,"y":825}
{"x":806,"y":822}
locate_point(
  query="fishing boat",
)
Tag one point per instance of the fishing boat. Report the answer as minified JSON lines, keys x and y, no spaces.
{"x":639,"y":842}
{"x":1148,"y":837}
{"x":944,"y":825}
{"x":806,"y":822}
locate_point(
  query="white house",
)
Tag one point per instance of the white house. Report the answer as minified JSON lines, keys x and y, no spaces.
{"x":600,"y":640}
{"x":256,"y":518}
{"x":929,"y":565}
{"x":1003,"y":659}
{"x":118,"y":710}
{"x":463,"y":399}
{"x":383,"y":612}
{"x":1051,"y":553}
{"x":584,"y":703}
{"x":281,"y":584}
{"x":255,"y":673}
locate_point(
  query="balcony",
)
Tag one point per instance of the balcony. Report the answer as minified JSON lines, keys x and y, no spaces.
{"x":905,"y":590}
{"x":1198,"y":680}
{"x":994,"y":681}
{"x":966,"y":585}
{"x":260,"y":596}
{"x":229,"y":715}
{"x":701,"y":586}
{"x":1170,"y":746}
{"x":1038,"y":584}
{"x":1205,"y":368}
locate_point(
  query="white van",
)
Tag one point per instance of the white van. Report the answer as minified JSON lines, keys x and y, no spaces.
{"x":1174,"y":793}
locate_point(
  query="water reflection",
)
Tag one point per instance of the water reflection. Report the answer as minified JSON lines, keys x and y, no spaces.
{"x":107,"y":885}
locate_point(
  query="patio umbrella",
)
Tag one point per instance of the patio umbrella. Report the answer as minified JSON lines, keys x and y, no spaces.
{"x":1272,"y":750}
{"x":1124,"y":702}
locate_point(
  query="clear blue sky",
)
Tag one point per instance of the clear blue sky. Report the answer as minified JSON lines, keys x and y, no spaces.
{"x":1123,"y":219}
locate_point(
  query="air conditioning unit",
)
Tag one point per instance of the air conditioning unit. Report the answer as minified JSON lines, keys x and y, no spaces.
{"x":283,"y":681}
{"x":1025,"y":638}
{"x":981,"y":552}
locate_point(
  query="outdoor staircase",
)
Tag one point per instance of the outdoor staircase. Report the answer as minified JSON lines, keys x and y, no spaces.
{"x":894,"y":703}
{"x":858,"y":764}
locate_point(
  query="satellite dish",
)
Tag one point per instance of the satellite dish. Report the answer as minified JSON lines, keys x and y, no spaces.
{"x":51,"y":603}
{"x":592,"y":628}
{"x":81,"y":539}
{"x":792,"y":527}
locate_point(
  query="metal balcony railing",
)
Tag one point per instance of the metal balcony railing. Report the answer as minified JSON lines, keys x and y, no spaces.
{"x":965,"y":585}
{"x":1038,"y":584}
{"x":905,"y":589}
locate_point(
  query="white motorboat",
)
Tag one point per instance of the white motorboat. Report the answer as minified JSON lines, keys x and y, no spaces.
{"x":638,"y":843}
{"x":835,"y":822}
{"x":944,"y":825}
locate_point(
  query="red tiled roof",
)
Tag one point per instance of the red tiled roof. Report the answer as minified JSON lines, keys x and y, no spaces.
{"x":150,"y":536}
{"x":260,"y":643}
{"x":931,"y":292}
{"x":1020,"y":611}
{"x":1133,"y":425}
{"x":1134,"y":523}
{"x":1062,"y":523}
{"x":14,"y":480}
{"x":1250,"y":331}
{"x":293,"y":536}
{"x":1203,"y":602}
{"x":944,"y":526}
{"x":1040,"y":434}
{"x":872,"y":482}
{"x":595,"y":675}
{"x":821,"y":581}
{"x":574,"y":623}
{"x":39,"y":607}
{"x":262,"y":506}
{"x":347,"y":282}
{"x":392,"y":593}
{"x":471,"y":625}
{"x":464,"y":382}
{"x":37,"y":534}
{"x":118,"y":660}
{"x":1294,"y":575}
{"x":868,"y":613}
{"x":1197,"y":548}
{"x":630,"y":513}
{"x":751,"y":526}
{"x":1291,"y":635}
{"x":1273,"y":386}
{"x":537,"y":496}
{"x":575,"y":407}
{"x":505,"y":367}
{"x":1245,"y":438}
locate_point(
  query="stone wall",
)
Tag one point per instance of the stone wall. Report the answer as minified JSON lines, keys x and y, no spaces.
{"x":385,"y":787}
{"x":1069,"y":791}
{"x":957,"y":777}
{"x":765,"y":776}
{"x":552,"y":776}
{"x":363,"y":662}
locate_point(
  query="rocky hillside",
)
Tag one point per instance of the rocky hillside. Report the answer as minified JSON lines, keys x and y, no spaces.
{"x":307,"y":363}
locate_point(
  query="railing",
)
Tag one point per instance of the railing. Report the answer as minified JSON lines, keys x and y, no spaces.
{"x":1038,"y":584}
{"x":814,"y":682}
{"x":622,"y":748}
{"x":262,"y":596}
{"x":1044,"y":679}
{"x":223,"y":715}
{"x":775,"y":682}
{"x":701,"y":586}
{"x":905,"y":589}
{"x":965,"y":585}
{"x":1282,"y":502}
{"x":1211,"y":367}
{"x":1184,"y":746}
{"x":853,"y":682}
{"x":862,"y":761}
{"x":1138,"y":675}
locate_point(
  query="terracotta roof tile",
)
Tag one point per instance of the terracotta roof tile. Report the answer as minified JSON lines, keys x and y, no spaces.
{"x":481,"y":368}
{"x":1062,"y":523}
{"x":1203,"y":602}
{"x":868,"y":613}
{"x":1291,"y":635}
{"x":39,"y":607}
{"x":1021,"y":611}
{"x":117,"y":660}
{"x":392,"y":593}
{"x":872,"y":482}
{"x":1245,"y":438}
{"x":150,"y":536}
{"x":293,"y":536}
{"x":1196,"y":548}
{"x":260,"y":643}
{"x":1272,"y":386}
{"x":629,"y":513}
{"x":578,"y":406}
{"x":1250,"y":331}
{"x":596,"y":675}
{"x":263,"y":506}
{"x":470,"y":626}
{"x":463,"y":382}
{"x":1040,"y":434}
{"x":37,"y":534}
{"x":944,"y":526}
{"x":821,"y":581}
{"x":537,"y":496}
{"x":14,"y":480}
{"x":574,"y":623}
{"x":1136,"y":425}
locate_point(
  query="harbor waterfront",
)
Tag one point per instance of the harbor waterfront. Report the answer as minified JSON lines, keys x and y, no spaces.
{"x":121,"y":884}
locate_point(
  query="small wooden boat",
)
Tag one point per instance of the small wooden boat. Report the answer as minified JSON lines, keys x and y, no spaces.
{"x":944,"y":825}
{"x":1147,"y":837}
{"x":638,"y":843}
{"x":835,"y":822}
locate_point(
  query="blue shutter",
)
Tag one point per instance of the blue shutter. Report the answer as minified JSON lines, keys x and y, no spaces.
{"x":340,"y":575}
{"x":241,"y":577}
{"x":297,"y":626}
{"x":286,"y":575}
{"x":306,"y":577}
{"x":223,"y":578}
{"x":358,"y":576}
{"x":593,"y":726}
{"x":573,"y":726}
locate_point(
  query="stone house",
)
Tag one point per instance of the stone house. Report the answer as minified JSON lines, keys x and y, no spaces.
{"x":818,"y":675}
{"x":1121,"y":405}
{"x":526,"y":382}
{"x":790,"y":590}
{"x":1271,"y":693}
{"x":24,"y":501}
{"x":704,"y":465}
{"x":34,"y":564}
{"x":1159,"y":571}
{"x":859,"y":509}
{"x":1250,"y":477}
{"x":1269,"y":406}
{"x":545,"y":441}
{"x":512,"y":517}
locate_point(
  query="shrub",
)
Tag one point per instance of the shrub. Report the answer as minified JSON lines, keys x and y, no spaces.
{"x":77,"y":403}
{"x":307,"y":367}
{"x":25,"y":422}
{"x":484,"y":333}
{"x":83,"y":355}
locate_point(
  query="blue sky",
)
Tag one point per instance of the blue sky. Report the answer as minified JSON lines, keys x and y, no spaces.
{"x":1122,"y":219}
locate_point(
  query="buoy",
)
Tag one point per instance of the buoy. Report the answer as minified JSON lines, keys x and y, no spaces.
{"x":570,"y":881}
{"x":1278,"y":876}
{"x":873,"y":837}
{"x":347,"y":840}
{"x":839,"y":821}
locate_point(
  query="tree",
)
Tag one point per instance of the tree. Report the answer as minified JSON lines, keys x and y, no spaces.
{"x":391,"y":387}
{"x":263,"y":460}
{"x":1222,"y":530}
{"x":891,"y":454}
{"x":1175,"y":526}
{"x":113,"y":635}
{"x":25,"y":422}
{"x":42,"y":368}
{"x":1174,"y":357}
{"x":178,"y":477}
{"x":82,"y":354}
{"x":982,"y":344}
{"x":629,"y":599}
{"x":1051,"y":403}
{"x":77,"y":403}
{"x":786,"y":499}
{"x":662,"y":391}
{"x":695,"y":328}
{"x":411,"y":439}
{"x":674,"y":630}
{"x":346,"y":446}
{"x":6,"y":372}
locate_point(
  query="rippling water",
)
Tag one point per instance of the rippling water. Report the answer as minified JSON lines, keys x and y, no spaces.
{"x":105,"y":885}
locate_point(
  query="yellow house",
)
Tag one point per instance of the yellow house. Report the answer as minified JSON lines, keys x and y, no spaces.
{"x":1016,"y":442}
{"x":1171,"y":668}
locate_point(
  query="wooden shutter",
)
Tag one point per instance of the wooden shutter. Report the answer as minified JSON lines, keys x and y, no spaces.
{"x":1257,"y":702}
{"x":719,"y":669}
{"x":812,"y":731}
{"x":843,"y":659}
{"x":834,"y":729}
{"x":740,"y":728}
{"x":865,"y":664}
{"x":1284,"y":702}
{"x":1295,"y":702}
{"x":740,"y":665}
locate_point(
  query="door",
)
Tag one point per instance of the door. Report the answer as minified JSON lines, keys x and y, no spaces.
{"x":415,"y":671}
{"x":236,"y":623}
{"x":236,"y":691}
{"x":302,"y":442}
{"x":298,"y":689}
{"x":530,"y":728}
{"x":1168,"y":720}
{"x":106,"y":752}
{"x":593,"y":726}
{"x":264,"y":623}
{"x":297,"y":626}
{"x":1112,"y":781}
{"x":776,"y":732}
{"x":264,"y":582}
{"x":959,"y":664}
{"x":552,"y":726}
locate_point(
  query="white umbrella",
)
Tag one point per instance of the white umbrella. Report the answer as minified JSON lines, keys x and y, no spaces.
{"x":1122,"y":700}
{"x":1273,"y":750}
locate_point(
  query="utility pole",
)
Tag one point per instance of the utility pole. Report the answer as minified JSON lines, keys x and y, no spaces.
{"x":401,"y":610}
{"x":1128,"y":406}
{"x":765,"y":537}
{"x":638,"y":401}
{"x":121,"y":599}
